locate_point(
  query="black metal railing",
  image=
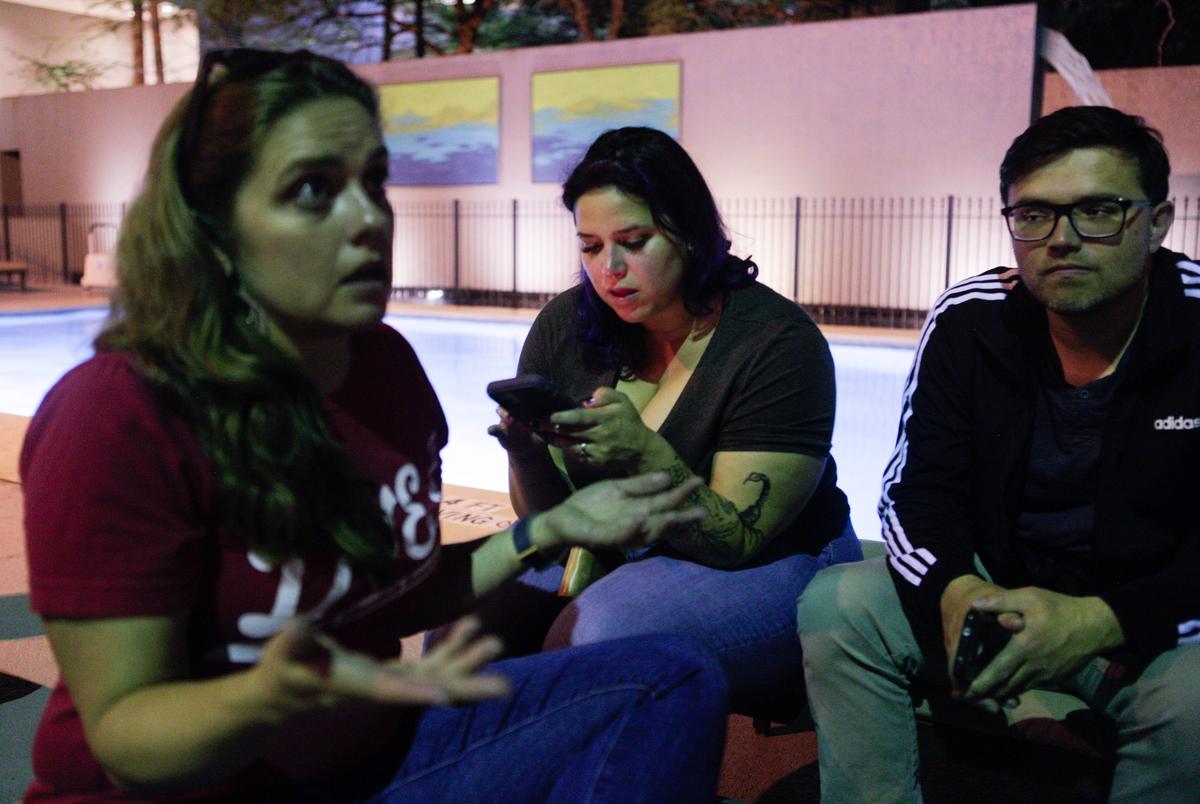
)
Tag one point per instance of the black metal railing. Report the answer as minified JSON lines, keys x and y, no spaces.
{"x":53,"y":239}
{"x":865,"y":261}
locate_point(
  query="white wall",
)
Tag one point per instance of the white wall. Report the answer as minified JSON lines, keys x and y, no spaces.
{"x":903,"y":105}
{"x":1167,"y":97}
{"x":55,"y":35}
{"x":920,"y":107}
{"x":899,"y":105}
{"x":85,"y":146}
{"x":911,"y":105}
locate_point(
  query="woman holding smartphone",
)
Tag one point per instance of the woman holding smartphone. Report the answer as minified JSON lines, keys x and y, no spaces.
{"x":231,"y":511}
{"x":691,"y":367}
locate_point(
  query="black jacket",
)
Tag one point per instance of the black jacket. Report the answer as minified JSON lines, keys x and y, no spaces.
{"x":954,"y":484}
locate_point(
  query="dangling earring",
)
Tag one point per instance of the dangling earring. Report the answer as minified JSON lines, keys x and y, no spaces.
{"x":226,"y":264}
{"x":253,"y":315}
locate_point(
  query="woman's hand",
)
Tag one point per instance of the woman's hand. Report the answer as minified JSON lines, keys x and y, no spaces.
{"x":304,"y":670}
{"x":630,"y":512}
{"x":607,"y":432}
{"x":534,"y":482}
{"x":156,"y":731}
{"x":339,"y":702}
{"x":519,"y":440}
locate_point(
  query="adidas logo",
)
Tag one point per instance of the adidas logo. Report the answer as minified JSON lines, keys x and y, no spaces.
{"x":1177,"y":423}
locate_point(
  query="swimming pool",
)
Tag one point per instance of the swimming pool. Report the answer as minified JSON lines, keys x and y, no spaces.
{"x":460,"y":357}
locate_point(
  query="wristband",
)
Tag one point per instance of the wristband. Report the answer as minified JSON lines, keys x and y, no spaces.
{"x":528,"y":553}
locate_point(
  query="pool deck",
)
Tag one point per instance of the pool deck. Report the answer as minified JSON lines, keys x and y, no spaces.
{"x":49,"y":297}
{"x":58,"y":297}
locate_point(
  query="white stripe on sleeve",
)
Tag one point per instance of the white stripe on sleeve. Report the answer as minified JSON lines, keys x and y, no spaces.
{"x":913,"y":563}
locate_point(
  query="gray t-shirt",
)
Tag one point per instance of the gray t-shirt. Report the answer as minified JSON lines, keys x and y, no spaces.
{"x":764,"y":384}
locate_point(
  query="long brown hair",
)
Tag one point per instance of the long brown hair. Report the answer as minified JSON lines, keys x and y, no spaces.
{"x":286,"y":485}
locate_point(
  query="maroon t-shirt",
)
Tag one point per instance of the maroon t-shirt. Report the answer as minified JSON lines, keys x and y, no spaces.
{"x":121,"y":520}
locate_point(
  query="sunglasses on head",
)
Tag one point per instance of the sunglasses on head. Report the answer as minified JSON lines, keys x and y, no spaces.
{"x":238,"y":63}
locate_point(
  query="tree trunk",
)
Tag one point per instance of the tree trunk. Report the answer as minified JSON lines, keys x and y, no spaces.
{"x":618,"y":16}
{"x":390,"y":29}
{"x":139,"y":44}
{"x":467,"y":27}
{"x":156,"y":38}
{"x":419,"y":21}
{"x":468,"y":22}
{"x":579,"y":10}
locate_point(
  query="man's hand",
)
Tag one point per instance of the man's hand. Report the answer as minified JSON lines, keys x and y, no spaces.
{"x":1056,"y":635}
{"x":956,"y":602}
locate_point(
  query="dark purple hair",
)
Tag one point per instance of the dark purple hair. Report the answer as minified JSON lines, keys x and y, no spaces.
{"x":649,"y":165}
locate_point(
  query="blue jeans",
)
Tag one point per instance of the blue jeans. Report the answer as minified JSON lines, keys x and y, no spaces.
{"x":636,"y":720}
{"x":746,"y":616}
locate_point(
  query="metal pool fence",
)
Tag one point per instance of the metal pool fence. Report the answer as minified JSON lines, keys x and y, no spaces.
{"x":53,"y":239}
{"x":865,"y":261}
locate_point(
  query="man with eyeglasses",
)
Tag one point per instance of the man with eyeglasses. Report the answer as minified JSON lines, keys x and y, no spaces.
{"x":1044,"y":480}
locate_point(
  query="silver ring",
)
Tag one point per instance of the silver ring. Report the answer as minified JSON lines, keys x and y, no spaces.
{"x":583,"y":456}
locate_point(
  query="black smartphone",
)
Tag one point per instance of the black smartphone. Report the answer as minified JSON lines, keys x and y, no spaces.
{"x":981,"y":639}
{"x":529,"y":397}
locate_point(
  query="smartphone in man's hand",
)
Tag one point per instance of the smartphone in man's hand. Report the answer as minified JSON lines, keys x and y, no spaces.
{"x":981,"y":639}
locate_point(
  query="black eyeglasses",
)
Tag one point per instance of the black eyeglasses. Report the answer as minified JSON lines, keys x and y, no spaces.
{"x":239,"y":62}
{"x":1091,"y":218}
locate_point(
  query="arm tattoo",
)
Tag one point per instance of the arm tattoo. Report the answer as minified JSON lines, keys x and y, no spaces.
{"x":725,"y":536}
{"x":751,"y":514}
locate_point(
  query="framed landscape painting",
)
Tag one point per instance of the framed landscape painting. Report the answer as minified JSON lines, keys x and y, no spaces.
{"x":442,"y":132}
{"x":572,"y":107}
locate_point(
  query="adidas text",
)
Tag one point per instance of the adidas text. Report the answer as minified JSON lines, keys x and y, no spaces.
{"x":1177,"y":423}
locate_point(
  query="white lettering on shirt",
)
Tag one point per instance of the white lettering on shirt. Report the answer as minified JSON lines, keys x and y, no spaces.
{"x":1177,"y":423}
{"x":399,"y":497}
{"x":263,"y":625}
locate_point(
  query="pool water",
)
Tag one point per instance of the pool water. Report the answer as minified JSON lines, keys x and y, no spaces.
{"x":461,"y":357}
{"x":37,"y":348}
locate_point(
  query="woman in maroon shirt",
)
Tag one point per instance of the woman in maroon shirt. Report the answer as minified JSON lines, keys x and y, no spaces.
{"x":231,"y":510}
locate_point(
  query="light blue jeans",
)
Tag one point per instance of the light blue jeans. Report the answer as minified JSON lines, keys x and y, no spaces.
{"x":746,"y":616}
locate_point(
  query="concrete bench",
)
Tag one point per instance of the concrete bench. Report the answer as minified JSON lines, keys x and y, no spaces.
{"x":14,"y":273}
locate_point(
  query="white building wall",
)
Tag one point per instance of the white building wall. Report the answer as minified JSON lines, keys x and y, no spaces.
{"x":1169,"y":99}
{"x":904,"y":105}
{"x":898,"y":105}
{"x":86,"y":31}
{"x":889,"y":116}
